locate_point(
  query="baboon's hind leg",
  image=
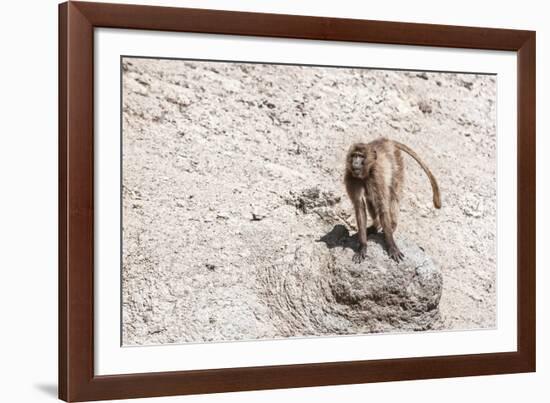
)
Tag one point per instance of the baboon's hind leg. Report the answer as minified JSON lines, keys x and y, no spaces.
{"x":373,"y":228}
{"x":393,"y":250}
{"x":394,"y":213}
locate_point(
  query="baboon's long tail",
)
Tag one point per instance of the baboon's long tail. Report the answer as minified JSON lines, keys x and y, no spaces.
{"x":435,"y":187}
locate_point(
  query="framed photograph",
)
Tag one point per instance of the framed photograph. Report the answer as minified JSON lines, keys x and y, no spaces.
{"x":255,"y":201}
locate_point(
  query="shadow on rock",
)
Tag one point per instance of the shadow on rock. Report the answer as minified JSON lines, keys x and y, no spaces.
{"x":339,"y":237}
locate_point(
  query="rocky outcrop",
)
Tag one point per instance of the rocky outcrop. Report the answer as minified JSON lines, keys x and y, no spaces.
{"x":316,"y":289}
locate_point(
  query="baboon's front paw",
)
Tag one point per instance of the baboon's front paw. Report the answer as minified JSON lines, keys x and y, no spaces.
{"x":396,"y":254}
{"x":361,"y":255}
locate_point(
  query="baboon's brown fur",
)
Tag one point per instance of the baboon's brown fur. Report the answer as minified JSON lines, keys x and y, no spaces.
{"x":374,"y":182}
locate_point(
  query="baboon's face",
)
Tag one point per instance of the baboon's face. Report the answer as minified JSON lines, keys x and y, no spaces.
{"x":357,"y":164}
{"x":358,"y":161}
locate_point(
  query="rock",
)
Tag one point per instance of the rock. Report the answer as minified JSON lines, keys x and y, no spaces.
{"x":385,"y":294}
{"x":472,"y":207}
{"x":424,"y":107}
{"x":257,"y":216}
{"x":466,"y":84}
{"x":317,"y":289}
{"x":422,"y":75}
{"x":312,"y":198}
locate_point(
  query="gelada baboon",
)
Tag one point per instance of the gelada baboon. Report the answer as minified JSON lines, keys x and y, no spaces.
{"x":374,"y":180}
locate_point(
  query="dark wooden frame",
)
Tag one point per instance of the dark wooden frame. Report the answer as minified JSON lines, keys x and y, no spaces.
{"x":77,"y":381}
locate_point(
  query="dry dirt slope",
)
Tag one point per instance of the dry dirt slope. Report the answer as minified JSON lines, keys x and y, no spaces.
{"x":220,"y":161}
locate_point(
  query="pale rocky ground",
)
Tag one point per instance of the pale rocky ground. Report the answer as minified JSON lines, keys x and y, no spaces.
{"x":235,"y":217}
